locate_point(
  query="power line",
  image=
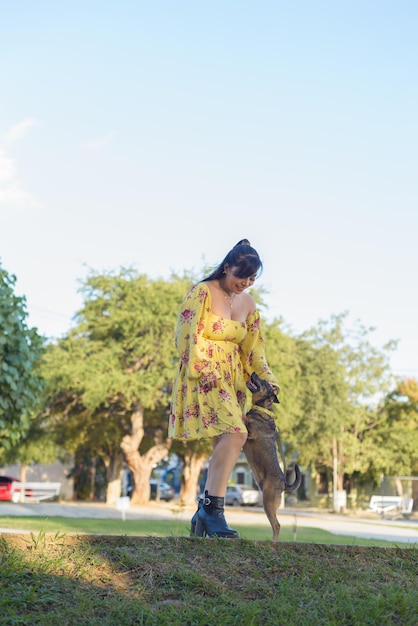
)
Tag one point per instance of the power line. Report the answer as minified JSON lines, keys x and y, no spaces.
{"x":48,"y":313}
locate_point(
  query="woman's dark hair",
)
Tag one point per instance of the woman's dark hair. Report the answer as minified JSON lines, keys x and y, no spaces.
{"x":243,"y":257}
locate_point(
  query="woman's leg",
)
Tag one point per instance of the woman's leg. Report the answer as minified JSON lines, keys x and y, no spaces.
{"x":226,"y":450}
{"x":210,"y":516}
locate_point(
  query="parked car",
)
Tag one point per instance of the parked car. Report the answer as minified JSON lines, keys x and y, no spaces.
{"x":6,"y":487}
{"x":165,"y":491}
{"x":240,"y":495}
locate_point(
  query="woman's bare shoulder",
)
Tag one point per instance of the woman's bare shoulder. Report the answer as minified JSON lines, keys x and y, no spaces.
{"x":245,"y":306}
{"x":249,"y":303}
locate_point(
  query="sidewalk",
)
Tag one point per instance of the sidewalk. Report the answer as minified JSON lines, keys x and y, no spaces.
{"x":399,"y":530}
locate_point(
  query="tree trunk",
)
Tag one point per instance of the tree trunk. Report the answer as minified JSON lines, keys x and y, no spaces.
{"x":93,"y":479}
{"x":114,"y":467}
{"x":338,"y":477}
{"x":340,"y":482}
{"x":113,"y":492}
{"x":337,"y":454}
{"x":415,"y":493}
{"x":141,"y":466}
{"x":22,"y":473}
{"x":191,"y":469}
{"x":22,"y":478}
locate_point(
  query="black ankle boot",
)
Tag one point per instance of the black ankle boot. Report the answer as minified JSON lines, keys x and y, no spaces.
{"x":211,"y":521}
{"x":194,"y":518}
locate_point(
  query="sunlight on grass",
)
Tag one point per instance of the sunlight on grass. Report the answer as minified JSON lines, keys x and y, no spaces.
{"x":175,"y":528}
{"x":92,"y":580}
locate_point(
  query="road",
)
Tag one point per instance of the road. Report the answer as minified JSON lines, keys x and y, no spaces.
{"x":397,"y":530}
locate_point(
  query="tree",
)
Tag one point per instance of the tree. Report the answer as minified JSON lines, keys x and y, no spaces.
{"x":193,"y":455}
{"x":395,"y":437}
{"x":21,"y":348}
{"x":37,"y":445}
{"x":342,"y":374}
{"x":284,"y":360}
{"x":84,"y":432}
{"x":110,"y":378}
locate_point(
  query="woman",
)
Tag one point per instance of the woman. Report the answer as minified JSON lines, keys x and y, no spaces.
{"x":220,"y":344}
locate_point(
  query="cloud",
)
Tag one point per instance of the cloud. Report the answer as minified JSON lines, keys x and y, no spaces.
{"x":96,"y":144}
{"x":19,"y":130}
{"x":12,"y":189}
{"x":7,"y":168}
{"x":14,"y":196}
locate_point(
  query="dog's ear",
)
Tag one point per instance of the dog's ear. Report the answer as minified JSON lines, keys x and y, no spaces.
{"x":276,"y":394}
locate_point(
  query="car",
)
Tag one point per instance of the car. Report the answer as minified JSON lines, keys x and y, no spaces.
{"x":161,"y":489}
{"x":6,"y":483}
{"x":166,"y":492}
{"x":240,"y":495}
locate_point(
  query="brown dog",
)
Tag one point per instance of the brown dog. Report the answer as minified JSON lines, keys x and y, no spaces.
{"x":261,"y":450}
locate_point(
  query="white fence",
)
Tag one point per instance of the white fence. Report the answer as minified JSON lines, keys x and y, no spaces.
{"x":34,"y":492}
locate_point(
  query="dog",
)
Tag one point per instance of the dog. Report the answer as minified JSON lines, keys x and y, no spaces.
{"x":261,"y":450}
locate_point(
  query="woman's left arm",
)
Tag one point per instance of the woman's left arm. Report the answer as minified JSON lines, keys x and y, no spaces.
{"x":252,"y":351}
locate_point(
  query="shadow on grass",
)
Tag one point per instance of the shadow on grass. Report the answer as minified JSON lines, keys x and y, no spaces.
{"x":53,"y":579}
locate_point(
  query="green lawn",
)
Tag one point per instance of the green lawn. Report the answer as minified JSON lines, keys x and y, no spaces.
{"x":174,"y":528}
{"x":88,"y":580}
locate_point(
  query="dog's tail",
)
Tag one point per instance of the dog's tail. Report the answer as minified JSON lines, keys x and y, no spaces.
{"x":297,"y":482}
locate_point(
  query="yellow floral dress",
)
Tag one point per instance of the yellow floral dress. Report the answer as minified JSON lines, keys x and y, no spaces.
{"x":213,"y":346}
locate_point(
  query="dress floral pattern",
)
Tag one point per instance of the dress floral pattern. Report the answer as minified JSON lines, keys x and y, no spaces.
{"x":212,"y":347}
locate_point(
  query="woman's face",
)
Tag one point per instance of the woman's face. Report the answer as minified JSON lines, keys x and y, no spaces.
{"x":234,"y":283}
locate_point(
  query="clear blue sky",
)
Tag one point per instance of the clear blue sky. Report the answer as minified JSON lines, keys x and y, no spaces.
{"x":158,"y":134}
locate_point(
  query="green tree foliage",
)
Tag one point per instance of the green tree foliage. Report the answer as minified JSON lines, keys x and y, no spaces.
{"x":284,"y":360}
{"x":323,"y":403}
{"x":110,"y":378}
{"x":342,"y":375}
{"x":37,"y":445}
{"x":395,"y":438}
{"x":20,"y":351}
{"x":80,"y":431}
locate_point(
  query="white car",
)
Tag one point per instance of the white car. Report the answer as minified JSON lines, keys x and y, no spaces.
{"x":240,"y":495}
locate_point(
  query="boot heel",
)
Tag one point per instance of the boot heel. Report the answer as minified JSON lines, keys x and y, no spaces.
{"x":199,"y":530}
{"x":194,"y":518}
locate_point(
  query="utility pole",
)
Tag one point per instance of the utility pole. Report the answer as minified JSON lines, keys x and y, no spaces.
{"x":335,"y":502}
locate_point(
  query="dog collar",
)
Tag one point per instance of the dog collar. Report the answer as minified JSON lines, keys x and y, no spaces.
{"x":261,"y":409}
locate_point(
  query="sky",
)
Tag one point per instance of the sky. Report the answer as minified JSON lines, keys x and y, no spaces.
{"x":156,"y":135}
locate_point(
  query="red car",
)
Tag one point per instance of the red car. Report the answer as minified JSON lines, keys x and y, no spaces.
{"x":6,"y":487}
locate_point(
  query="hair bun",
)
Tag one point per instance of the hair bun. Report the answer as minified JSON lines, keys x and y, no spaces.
{"x":243,"y":258}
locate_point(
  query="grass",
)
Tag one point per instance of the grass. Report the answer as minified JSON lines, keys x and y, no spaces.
{"x":175,"y":528}
{"x":53,"y":579}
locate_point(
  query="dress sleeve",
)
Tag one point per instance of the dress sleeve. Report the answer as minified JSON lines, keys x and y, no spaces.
{"x":252,"y":351}
{"x":189,"y":340}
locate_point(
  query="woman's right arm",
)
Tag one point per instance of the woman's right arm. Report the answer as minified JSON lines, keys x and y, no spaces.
{"x":189,"y":340}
